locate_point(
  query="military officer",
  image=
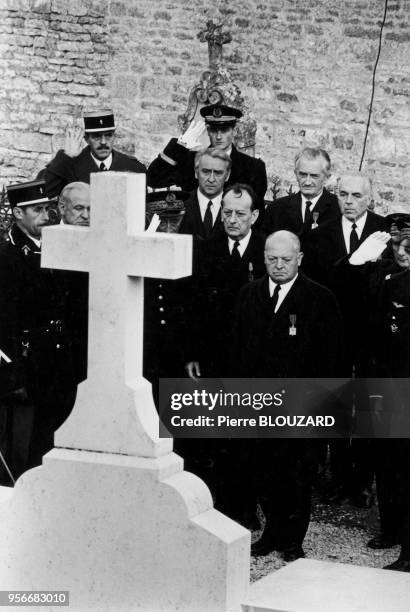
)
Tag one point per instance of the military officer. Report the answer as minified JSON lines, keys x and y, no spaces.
{"x":175,"y":165}
{"x":75,"y":163}
{"x":165,"y":300}
{"x":395,"y":359}
{"x":37,"y":361}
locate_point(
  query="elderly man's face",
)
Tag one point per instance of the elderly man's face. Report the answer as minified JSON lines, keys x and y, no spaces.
{"x":311,"y":176}
{"x":401,"y":251}
{"x":211,"y":173}
{"x":353,"y":196}
{"x":75,"y":208}
{"x":220,"y":137}
{"x":237,"y":215}
{"x":101,"y":143}
{"x":282,"y":259}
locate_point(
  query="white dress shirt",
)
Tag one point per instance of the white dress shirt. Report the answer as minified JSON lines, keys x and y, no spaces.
{"x":107,"y":161}
{"x":347,"y":228}
{"x":203,"y":205}
{"x":284,"y":290}
{"x":243,"y":243}
{"x":313,"y":200}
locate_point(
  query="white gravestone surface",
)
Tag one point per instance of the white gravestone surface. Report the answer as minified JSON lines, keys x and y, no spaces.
{"x":111,"y":516}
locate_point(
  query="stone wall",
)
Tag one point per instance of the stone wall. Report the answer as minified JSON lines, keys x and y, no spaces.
{"x":304,"y":68}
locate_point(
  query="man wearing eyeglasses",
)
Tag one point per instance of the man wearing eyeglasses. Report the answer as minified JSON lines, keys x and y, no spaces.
{"x":74,"y":163}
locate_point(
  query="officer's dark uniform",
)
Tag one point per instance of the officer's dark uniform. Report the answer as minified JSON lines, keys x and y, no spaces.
{"x":64,"y":169}
{"x":395,"y":355}
{"x":165,"y":301}
{"x":38,"y":388}
{"x":175,"y":166}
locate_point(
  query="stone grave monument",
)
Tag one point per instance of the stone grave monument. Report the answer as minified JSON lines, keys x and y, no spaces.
{"x":110,"y":515}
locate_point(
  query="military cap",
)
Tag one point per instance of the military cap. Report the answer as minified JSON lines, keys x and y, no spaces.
{"x":99,"y":121}
{"x":220,"y":115}
{"x":169,"y":206}
{"x":27,"y":194}
{"x":398,"y":225}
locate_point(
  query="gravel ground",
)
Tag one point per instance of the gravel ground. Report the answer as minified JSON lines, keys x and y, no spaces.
{"x":336,"y":533}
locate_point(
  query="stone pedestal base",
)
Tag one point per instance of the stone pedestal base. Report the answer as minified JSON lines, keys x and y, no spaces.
{"x":121,"y":533}
{"x":319,"y":586}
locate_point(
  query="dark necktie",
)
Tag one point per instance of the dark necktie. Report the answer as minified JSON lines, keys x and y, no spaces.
{"x":102,"y":167}
{"x":235,"y":255}
{"x":354,"y":239}
{"x":208,"y":220}
{"x":275,"y":297}
{"x":308,"y":214}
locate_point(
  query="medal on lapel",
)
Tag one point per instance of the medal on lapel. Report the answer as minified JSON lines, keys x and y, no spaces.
{"x":393,"y":325}
{"x":292,"y":328}
{"x":315,"y":217}
{"x":250,"y":272}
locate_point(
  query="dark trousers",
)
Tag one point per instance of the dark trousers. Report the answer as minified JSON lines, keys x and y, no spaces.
{"x":393,"y":489}
{"x":286,"y":470}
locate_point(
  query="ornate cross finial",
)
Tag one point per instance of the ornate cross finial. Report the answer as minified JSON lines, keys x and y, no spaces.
{"x":215,"y":38}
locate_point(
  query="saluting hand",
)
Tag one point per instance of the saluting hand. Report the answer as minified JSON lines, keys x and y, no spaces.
{"x":195,"y":136}
{"x":370,"y":249}
{"x":73,"y":143}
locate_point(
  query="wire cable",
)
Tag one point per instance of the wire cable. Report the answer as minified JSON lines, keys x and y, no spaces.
{"x":374,"y":82}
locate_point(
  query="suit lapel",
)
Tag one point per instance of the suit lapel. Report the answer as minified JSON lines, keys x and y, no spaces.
{"x":196,"y":216}
{"x":116,"y":164}
{"x":294,"y":209}
{"x":88,"y":165}
{"x":322,"y":204}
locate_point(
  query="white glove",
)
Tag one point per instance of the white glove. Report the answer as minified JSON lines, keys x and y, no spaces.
{"x":194,"y":137}
{"x":155,"y":221}
{"x":370,"y":249}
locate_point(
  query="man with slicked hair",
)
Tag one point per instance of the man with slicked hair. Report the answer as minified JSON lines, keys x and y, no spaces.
{"x":202,"y":217}
{"x":312,"y":205}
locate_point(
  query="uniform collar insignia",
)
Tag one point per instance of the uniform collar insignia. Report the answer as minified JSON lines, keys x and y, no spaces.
{"x":397,"y":305}
{"x":26,"y":249}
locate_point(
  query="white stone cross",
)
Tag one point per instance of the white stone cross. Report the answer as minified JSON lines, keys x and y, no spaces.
{"x":114,"y":410}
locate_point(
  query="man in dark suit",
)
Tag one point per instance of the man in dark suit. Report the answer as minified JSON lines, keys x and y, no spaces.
{"x":352,"y":465}
{"x":202,"y":218}
{"x":229,"y":260}
{"x":76,"y":164}
{"x":286,"y":326}
{"x":175,"y":165}
{"x":313,"y":205}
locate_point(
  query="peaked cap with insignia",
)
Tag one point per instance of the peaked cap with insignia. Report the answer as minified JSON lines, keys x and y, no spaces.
{"x":99,"y":121}
{"x":398,"y":225}
{"x":220,"y":115}
{"x":27,"y":194}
